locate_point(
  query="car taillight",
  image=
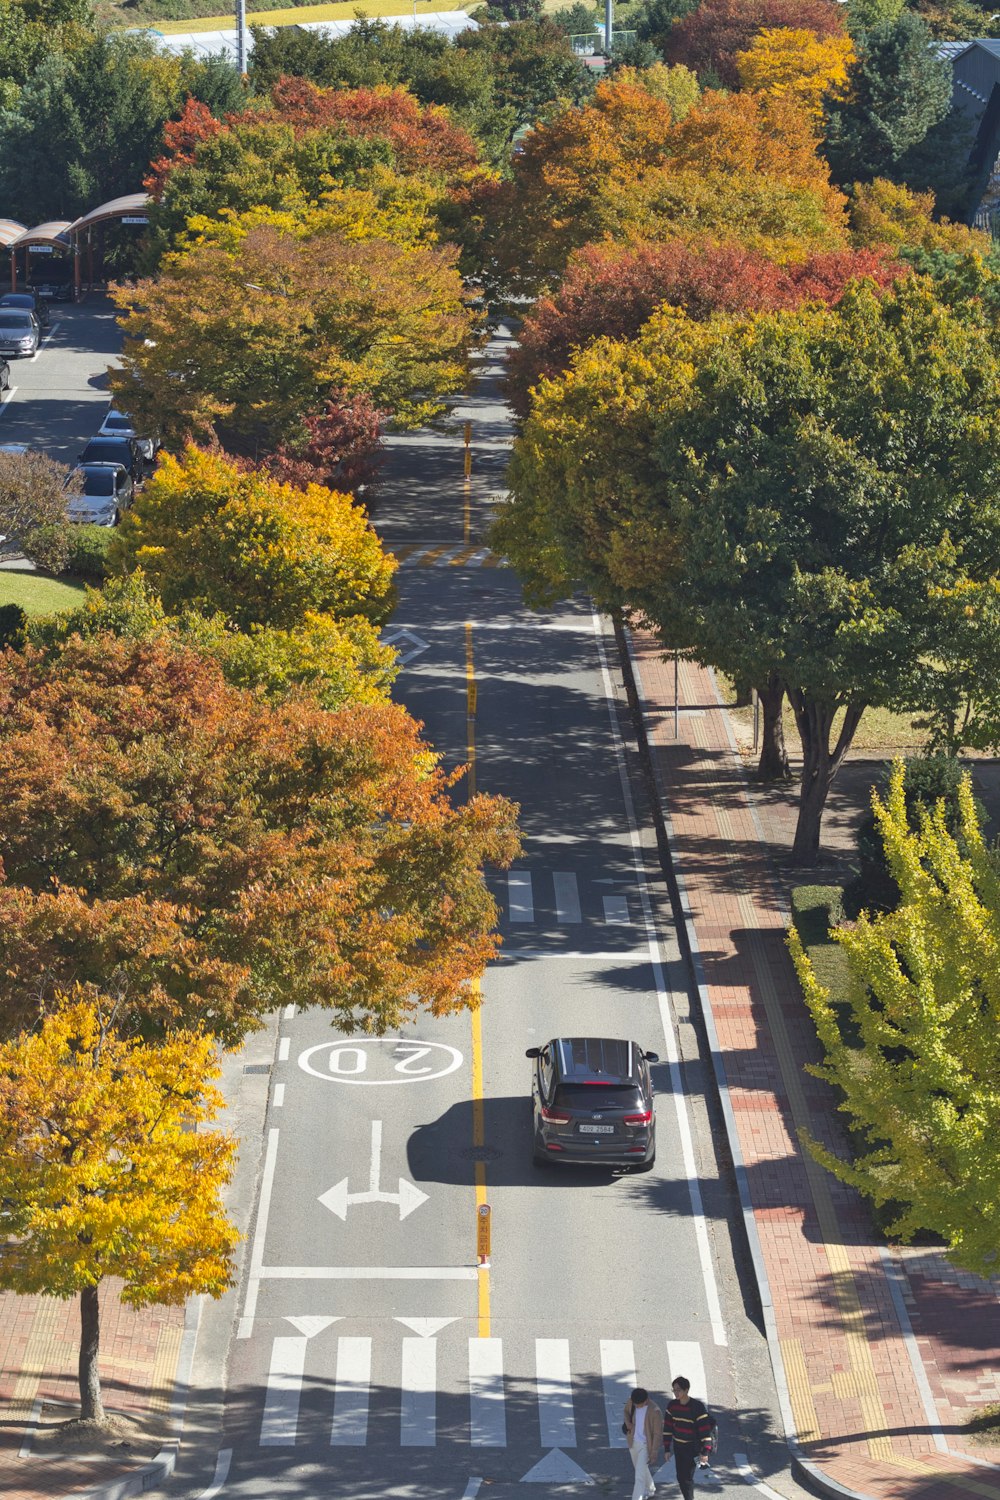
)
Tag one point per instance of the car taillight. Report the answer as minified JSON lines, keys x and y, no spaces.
{"x":555,"y":1116}
{"x":639,"y":1119}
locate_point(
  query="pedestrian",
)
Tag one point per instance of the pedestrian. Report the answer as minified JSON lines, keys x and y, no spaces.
{"x":643,"y":1429}
{"x":688,"y":1430}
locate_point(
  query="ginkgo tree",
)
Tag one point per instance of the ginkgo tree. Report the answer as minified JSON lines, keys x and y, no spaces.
{"x":105,"y":1173}
{"x":918,"y":1060}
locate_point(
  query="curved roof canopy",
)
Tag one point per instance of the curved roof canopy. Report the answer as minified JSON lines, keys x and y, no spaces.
{"x":10,"y":230}
{"x":115,"y":208}
{"x":55,"y":233}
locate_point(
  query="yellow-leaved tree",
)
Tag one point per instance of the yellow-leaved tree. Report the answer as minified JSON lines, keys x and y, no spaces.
{"x":102,"y":1173}
{"x":787,"y":60}
{"x":917,"y":1054}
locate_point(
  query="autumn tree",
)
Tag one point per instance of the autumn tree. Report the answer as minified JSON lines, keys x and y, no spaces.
{"x":31,"y":494}
{"x":104,"y":1172}
{"x":241,"y":337}
{"x":796,"y":493}
{"x":208,"y":855}
{"x":886,"y":213}
{"x":710,"y":38}
{"x":341,"y":447}
{"x":789,"y":60}
{"x":335,"y":661}
{"x":610,"y":291}
{"x":220,"y":538}
{"x":918,"y":1059}
{"x":629,"y":167}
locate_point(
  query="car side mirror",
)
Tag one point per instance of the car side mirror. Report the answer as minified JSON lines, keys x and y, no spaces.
{"x":651,"y":1056}
{"x":533,"y":1052}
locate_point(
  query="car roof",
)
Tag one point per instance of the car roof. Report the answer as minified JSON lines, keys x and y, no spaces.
{"x":595,"y":1059}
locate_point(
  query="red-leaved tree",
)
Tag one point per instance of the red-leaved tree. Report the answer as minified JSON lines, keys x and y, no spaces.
{"x":180,"y":142}
{"x":342,"y":450}
{"x":709,"y":38}
{"x":611,"y":290}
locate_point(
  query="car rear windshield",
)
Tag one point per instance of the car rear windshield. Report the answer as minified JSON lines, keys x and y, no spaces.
{"x":17,"y":299}
{"x":105,"y":448}
{"x":99,"y":482}
{"x":11,"y":318}
{"x":118,"y":424}
{"x":597,"y":1096}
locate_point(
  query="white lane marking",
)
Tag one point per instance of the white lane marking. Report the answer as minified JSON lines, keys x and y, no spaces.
{"x":284,"y":1047}
{"x":555,"y":1393}
{"x":472,"y":1489}
{"x":279,"y":1095}
{"x":7,"y":396}
{"x":567,"y":897}
{"x":519,"y":899}
{"x":350,"y":1401}
{"x":616,"y":911}
{"x":256,"y":1268}
{"x":666,"y":1018}
{"x":684,"y":1358}
{"x":366,"y":1273}
{"x":280,"y":1423}
{"x":743,"y":1467}
{"x":220,"y":1476}
{"x":289,"y":1012}
{"x":417,"y":1394}
{"x":618,"y":1380}
{"x":487,"y":1418}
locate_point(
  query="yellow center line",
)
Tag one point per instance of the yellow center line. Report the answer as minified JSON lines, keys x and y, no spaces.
{"x":478,"y":1119}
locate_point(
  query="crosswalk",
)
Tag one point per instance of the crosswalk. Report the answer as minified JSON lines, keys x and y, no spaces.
{"x":449,"y":557}
{"x":612,"y":908}
{"x":551,"y":1397}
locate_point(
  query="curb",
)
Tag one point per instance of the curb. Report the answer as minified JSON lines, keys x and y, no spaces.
{"x":802,"y":1467}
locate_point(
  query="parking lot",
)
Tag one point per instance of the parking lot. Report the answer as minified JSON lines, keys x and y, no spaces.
{"x":58,"y":397}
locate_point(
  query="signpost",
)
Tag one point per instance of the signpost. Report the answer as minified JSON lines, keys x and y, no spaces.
{"x":483,"y":1215}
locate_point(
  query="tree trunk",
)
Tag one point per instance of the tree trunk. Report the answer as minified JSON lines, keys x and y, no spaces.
{"x":91,"y":1403}
{"x":820,"y":765}
{"x":743,"y":688}
{"x":773,"y":755}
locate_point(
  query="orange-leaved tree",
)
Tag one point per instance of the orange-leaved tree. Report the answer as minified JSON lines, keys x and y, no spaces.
{"x":712,"y":36}
{"x":101,"y":1173}
{"x":209,"y":855}
{"x":611,"y":290}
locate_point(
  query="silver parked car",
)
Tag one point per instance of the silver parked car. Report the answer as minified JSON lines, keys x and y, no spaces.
{"x":96,"y":494}
{"x":19,"y":331}
{"x":117,"y":424}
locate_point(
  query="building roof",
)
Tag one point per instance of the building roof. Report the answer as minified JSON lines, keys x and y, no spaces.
{"x":54,"y":233}
{"x":211,"y":43}
{"x":10,"y":230}
{"x":115,"y":208}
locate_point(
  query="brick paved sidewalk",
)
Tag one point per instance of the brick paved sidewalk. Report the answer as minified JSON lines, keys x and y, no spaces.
{"x":39,"y":1343}
{"x":882,"y":1353}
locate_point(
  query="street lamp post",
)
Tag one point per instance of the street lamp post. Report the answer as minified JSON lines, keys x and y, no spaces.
{"x":241,"y":37}
{"x":609,"y":21}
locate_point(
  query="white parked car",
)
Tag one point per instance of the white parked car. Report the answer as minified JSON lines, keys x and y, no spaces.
{"x":117,"y":424}
{"x":96,"y":494}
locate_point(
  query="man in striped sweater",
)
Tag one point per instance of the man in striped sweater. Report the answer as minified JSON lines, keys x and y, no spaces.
{"x":688,"y":1428}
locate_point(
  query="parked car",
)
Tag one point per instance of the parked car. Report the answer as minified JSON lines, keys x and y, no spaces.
{"x":117,"y":424}
{"x":115,"y":450}
{"x":15,"y":448}
{"x":19,"y":331}
{"x":96,"y":494}
{"x":55,"y":291}
{"x":593,"y":1102}
{"x":28,"y":302}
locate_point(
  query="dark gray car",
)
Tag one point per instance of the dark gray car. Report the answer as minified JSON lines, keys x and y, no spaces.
{"x":19,"y":331}
{"x":27,"y":302}
{"x":115,"y":450}
{"x":593,"y":1102}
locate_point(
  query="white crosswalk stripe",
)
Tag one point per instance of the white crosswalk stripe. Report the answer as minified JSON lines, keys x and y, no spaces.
{"x":520,"y":902}
{"x":618,"y":1380}
{"x":567,"y":897}
{"x":565,"y":1381}
{"x":616,"y":911}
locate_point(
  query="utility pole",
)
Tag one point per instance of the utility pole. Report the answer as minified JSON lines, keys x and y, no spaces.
{"x":241,"y":37}
{"x":609,"y":21}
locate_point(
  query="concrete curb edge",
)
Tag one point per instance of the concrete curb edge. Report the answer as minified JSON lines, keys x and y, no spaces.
{"x":802,"y":1466}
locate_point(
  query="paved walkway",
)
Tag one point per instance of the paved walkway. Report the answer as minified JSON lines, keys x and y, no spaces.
{"x":882,"y":1355}
{"x":39,"y":1344}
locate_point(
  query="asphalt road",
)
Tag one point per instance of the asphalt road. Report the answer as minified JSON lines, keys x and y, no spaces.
{"x":58,"y":397}
{"x":363,"y":1353}
{"x":372,"y":1357}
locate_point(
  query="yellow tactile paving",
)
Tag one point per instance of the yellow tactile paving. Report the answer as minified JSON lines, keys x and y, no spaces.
{"x":799,"y":1393}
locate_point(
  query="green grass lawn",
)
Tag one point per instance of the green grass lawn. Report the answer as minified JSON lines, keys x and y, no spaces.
{"x":36,"y":594}
{"x":880,"y":730}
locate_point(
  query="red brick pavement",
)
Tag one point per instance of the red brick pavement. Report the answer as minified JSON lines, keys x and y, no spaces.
{"x":861,"y":1393}
{"x":39,"y":1341}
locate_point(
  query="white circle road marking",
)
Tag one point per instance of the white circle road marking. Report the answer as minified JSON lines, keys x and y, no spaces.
{"x":348,"y":1061}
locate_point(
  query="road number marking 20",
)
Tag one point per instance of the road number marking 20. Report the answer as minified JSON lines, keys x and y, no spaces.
{"x":368,"y":1063}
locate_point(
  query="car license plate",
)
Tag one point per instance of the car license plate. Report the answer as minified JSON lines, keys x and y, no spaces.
{"x":598,"y":1129}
